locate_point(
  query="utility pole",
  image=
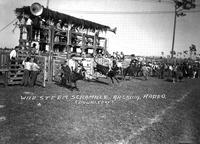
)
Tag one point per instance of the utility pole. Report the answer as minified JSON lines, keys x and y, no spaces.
{"x":174,"y":32}
{"x":179,"y":7}
{"x":47,"y":4}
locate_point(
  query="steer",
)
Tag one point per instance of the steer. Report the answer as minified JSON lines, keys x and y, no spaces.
{"x":69,"y":77}
{"x":105,"y":71}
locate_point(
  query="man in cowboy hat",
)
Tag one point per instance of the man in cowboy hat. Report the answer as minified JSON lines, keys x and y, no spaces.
{"x":65,"y":73}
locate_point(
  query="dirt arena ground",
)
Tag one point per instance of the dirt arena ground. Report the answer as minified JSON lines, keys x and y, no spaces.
{"x":131,"y":112}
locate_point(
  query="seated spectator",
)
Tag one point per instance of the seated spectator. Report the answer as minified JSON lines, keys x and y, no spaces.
{"x":33,"y":49}
{"x":58,"y":25}
{"x":13,"y":53}
{"x":13,"y":58}
{"x":65,"y":27}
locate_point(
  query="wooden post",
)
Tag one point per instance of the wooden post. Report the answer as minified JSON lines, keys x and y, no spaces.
{"x":83,"y":43}
{"x":105,"y":46}
{"x":95,"y":44}
{"x":50,"y":56}
{"x":69,"y":38}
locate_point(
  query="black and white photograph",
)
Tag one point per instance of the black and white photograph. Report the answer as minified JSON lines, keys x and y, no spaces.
{"x":100,"y":72}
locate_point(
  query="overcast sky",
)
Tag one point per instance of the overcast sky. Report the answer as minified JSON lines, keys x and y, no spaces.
{"x":139,"y":30}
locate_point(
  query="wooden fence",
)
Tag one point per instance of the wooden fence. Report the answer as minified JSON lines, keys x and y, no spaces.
{"x":15,"y":68}
{"x":4,"y":67}
{"x":4,"y":59}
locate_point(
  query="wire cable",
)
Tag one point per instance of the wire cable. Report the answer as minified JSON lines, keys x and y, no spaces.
{"x":128,"y":12}
{"x":8,"y":25}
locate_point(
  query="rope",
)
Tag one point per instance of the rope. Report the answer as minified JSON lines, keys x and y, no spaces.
{"x":8,"y":25}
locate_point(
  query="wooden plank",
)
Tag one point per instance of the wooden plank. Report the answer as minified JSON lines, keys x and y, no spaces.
{"x":15,"y":78}
{"x":14,"y":83}
{"x":18,"y":73}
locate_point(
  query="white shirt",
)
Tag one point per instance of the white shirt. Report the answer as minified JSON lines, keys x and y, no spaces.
{"x":13,"y":54}
{"x":64,"y":28}
{"x":170,"y":67}
{"x":72,"y":64}
{"x":29,"y":22}
{"x":27,"y":65}
{"x":34,"y":67}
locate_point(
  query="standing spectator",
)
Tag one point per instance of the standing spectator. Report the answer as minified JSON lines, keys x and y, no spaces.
{"x":34,"y":72}
{"x":65,"y":29}
{"x":58,"y":32}
{"x":145,"y":71}
{"x":43,"y":31}
{"x":162,"y":70}
{"x":195,"y":69}
{"x":174,"y":73}
{"x":190,"y":71}
{"x":13,"y":58}
{"x":170,"y":67}
{"x":65,"y":74}
{"x":122,"y":56}
{"x":117,"y":55}
{"x":27,"y":69}
{"x":29,"y":28}
{"x":36,"y":28}
{"x":114,"y":55}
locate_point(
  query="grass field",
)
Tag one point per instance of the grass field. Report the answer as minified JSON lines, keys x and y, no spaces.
{"x":100,"y":113}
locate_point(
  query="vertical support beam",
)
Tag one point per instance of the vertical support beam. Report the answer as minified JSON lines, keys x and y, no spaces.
{"x":69,"y":40}
{"x":95,"y":45}
{"x":50,"y":56}
{"x":20,"y":36}
{"x":83,"y":43}
{"x":105,"y":46}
